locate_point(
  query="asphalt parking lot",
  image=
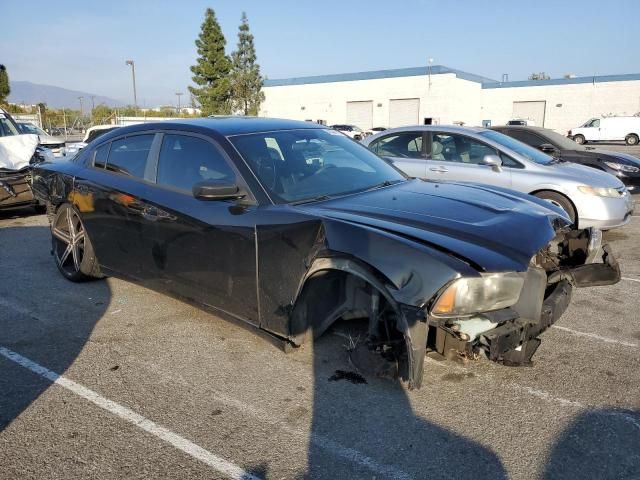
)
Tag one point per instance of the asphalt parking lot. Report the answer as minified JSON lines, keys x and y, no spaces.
{"x":155,"y":388}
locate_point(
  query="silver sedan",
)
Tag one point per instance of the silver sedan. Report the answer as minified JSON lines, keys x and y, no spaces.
{"x":590,"y":197}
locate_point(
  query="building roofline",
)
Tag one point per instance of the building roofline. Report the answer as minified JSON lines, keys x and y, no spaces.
{"x":564,"y":81}
{"x":441,"y":69}
{"x":378,"y":74}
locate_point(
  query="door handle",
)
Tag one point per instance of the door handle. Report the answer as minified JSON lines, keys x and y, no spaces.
{"x":439,"y":169}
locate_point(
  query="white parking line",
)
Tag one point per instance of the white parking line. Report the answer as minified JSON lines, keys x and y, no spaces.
{"x":181,"y":443}
{"x":320,"y":441}
{"x":631,"y":279}
{"x":595,"y":337}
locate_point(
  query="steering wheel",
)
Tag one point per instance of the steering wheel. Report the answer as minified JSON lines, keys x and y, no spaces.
{"x":268,"y":171}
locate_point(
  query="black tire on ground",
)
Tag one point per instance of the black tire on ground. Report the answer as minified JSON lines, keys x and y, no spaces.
{"x":579,"y":139}
{"x":71,"y":247}
{"x":632,"y":139}
{"x":561,"y":201}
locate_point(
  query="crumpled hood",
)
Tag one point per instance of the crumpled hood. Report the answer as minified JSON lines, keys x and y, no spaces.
{"x":491,"y":228}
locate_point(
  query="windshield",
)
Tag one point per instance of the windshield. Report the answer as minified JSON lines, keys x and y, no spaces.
{"x":299,"y":165}
{"x":523,"y":149}
{"x":561,"y":141}
{"x":29,"y":128}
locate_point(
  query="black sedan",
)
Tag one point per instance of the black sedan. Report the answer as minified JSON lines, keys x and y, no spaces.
{"x":624,"y":166}
{"x":291,"y":226}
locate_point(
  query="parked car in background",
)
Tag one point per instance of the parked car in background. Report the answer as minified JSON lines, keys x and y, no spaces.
{"x":54,"y":144}
{"x":624,"y":166}
{"x":590,"y":197}
{"x":374,"y":130}
{"x":608,"y":129}
{"x":18,"y":152}
{"x":91,"y":134}
{"x":350,"y":131}
{"x":230,"y":212}
{"x":521,"y":121}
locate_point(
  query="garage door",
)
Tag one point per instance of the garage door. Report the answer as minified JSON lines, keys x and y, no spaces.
{"x":360,"y":114}
{"x":530,"y":111}
{"x":403,"y":112}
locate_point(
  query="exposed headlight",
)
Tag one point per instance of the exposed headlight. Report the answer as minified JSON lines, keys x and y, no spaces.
{"x":479,"y":294}
{"x":600,"y":191}
{"x":622,"y":167}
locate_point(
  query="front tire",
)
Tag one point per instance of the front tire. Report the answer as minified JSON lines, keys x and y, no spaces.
{"x":579,"y":139}
{"x":632,"y":139}
{"x":561,"y":201}
{"x":71,"y":246}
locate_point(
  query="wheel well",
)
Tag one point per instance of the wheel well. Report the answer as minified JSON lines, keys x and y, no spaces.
{"x":632,"y":134}
{"x":573,"y":205}
{"x":330,"y":295}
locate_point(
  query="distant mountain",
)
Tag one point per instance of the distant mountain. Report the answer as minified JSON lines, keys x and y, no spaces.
{"x":55,"y":97}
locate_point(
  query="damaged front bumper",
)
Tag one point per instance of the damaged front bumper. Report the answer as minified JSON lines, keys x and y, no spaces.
{"x":510,"y":335}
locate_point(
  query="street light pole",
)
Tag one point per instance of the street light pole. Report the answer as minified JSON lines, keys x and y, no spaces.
{"x":178,"y":94}
{"x":133,"y":73}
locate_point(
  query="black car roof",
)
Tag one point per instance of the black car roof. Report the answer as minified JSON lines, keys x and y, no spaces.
{"x":231,"y":125}
{"x":520,"y":127}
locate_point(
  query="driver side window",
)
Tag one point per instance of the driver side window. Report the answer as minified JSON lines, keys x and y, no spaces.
{"x":458,"y":148}
{"x":185,"y":161}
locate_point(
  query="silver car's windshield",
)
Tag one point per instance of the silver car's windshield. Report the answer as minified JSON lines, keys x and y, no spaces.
{"x":301,"y":165}
{"x":523,"y":149}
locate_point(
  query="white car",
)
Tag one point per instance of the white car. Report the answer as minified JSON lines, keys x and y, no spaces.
{"x":350,"y":131}
{"x":54,"y":144}
{"x":608,"y":129}
{"x":91,"y":134}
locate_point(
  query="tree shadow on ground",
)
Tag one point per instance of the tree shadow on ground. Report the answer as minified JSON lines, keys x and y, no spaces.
{"x":42,"y":316}
{"x":599,"y":444}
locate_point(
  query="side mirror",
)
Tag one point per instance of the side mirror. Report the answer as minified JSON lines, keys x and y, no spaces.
{"x":492,"y":161}
{"x":547,"y":148}
{"x":216,"y":190}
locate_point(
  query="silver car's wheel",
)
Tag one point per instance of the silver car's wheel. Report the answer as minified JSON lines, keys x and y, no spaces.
{"x":561,"y":201}
{"x":71,"y":247}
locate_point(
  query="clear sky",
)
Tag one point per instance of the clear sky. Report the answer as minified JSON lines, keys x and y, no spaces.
{"x":83,"y":45}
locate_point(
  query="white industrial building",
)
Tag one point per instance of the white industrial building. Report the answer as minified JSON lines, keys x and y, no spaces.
{"x":442,"y":95}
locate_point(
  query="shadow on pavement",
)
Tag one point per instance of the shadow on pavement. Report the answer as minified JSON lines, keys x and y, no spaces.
{"x":376,"y":420}
{"x":599,"y":444}
{"x":42,"y":316}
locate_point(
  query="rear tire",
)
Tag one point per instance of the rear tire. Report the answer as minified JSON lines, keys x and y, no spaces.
{"x":579,"y":139}
{"x":560,"y":201}
{"x":632,"y":139}
{"x":71,"y":247}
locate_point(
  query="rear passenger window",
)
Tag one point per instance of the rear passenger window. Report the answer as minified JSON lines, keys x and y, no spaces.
{"x":128,"y":155}
{"x":100,"y":156}
{"x":185,"y":161}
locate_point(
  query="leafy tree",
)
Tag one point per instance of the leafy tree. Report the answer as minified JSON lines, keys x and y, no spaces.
{"x":5,"y":89}
{"x":211,"y":72}
{"x":246,"y":81}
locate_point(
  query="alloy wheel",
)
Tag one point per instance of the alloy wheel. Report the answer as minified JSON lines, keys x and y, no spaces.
{"x":69,"y":241}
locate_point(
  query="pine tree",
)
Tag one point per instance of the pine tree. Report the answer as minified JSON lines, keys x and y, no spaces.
{"x":5,"y":89}
{"x":246,"y":81}
{"x":211,"y":72}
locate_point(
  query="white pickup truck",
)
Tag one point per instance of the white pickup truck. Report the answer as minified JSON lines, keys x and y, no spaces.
{"x":608,"y":129}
